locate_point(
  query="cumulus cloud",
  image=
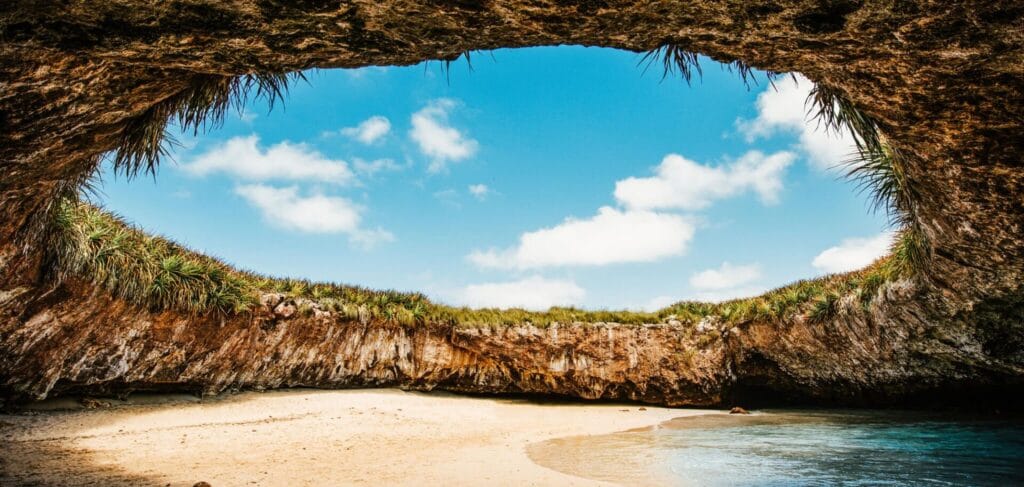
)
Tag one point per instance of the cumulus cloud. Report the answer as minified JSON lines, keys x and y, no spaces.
{"x":725,"y":276}
{"x":479,"y":191}
{"x":680,"y":183}
{"x":532,"y":293}
{"x":853,"y":253}
{"x":370,"y":130}
{"x":285,"y":208}
{"x":611,"y":236}
{"x":726,"y":282}
{"x":437,"y":139}
{"x":243,"y":158}
{"x":783,"y":109}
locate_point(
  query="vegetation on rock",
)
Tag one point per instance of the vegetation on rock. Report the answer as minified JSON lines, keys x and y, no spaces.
{"x":154,"y":272}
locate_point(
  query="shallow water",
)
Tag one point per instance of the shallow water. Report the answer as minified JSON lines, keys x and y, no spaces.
{"x":800,"y":448}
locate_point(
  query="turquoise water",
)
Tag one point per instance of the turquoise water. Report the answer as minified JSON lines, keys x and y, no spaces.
{"x":804,"y":448}
{"x":848,"y":449}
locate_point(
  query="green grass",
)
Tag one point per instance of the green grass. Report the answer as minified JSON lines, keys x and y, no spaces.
{"x":142,"y":269}
{"x":158,"y":274}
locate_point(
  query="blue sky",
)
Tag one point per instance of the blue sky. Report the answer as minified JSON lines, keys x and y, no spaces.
{"x":543,"y":176}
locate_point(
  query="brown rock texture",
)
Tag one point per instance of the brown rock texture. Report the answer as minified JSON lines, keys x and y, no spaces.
{"x":944,"y":81}
{"x":87,"y":342}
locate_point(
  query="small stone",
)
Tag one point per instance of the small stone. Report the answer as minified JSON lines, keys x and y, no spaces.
{"x":285,"y":309}
{"x":738,"y":410}
{"x":705,"y":326}
{"x":270,"y":300}
{"x":201,"y":484}
{"x":642,"y":409}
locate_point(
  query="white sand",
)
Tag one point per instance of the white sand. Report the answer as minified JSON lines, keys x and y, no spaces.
{"x":303,"y":437}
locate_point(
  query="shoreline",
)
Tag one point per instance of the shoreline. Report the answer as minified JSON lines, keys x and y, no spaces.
{"x":799,"y":446}
{"x":308,"y":437}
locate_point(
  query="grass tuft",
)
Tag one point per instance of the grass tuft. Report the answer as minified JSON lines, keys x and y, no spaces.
{"x":142,"y":269}
{"x":835,"y":112}
{"x":202,"y":104}
{"x":910,"y":253}
{"x":824,"y":308}
{"x":880,"y":170}
{"x":674,"y":58}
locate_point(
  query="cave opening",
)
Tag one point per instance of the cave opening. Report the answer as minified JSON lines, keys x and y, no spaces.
{"x":508,"y":179}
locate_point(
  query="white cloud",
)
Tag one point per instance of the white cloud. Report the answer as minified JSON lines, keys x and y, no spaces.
{"x":370,"y":168}
{"x":370,"y":130}
{"x":479,"y":191}
{"x":285,"y":208}
{"x":368,"y":239}
{"x":658,"y":302}
{"x":853,"y":253}
{"x":726,"y":282}
{"x":243,"y":158}
{"x":730,"y":293}
{"x":725,"y":276}
{"x":437,"y":139}
{"x":784,"y":109}
{"x":680,"y":183}
{"x":533,"y":293}
{"x":611,"y":236}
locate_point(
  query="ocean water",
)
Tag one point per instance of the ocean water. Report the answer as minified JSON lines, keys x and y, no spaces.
{"x":801,"y":448}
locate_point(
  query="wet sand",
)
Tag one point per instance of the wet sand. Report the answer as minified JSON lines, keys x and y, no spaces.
{"x":634,"y":457}
{"x":307,"y":437}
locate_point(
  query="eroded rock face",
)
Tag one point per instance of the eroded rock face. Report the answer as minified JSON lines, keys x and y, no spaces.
{"x":944,"y":80}
{"x":74,"y":339}
{"x":89,"y":342}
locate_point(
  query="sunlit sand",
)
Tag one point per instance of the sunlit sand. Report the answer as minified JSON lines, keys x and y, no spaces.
{"x":306,"y":437}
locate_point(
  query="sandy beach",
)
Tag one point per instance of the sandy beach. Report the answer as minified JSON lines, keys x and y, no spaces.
{"x":305,"y":437}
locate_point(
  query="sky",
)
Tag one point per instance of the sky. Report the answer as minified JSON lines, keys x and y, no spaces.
{"x":535,"y":177}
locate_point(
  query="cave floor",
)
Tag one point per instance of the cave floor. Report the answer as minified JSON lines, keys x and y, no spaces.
{"x":302,"y":437}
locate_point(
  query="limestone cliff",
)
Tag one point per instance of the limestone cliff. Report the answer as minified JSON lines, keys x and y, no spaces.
{"x":74,"y":339}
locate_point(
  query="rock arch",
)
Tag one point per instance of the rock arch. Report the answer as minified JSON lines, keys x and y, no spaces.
{"x":944,"y":81}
